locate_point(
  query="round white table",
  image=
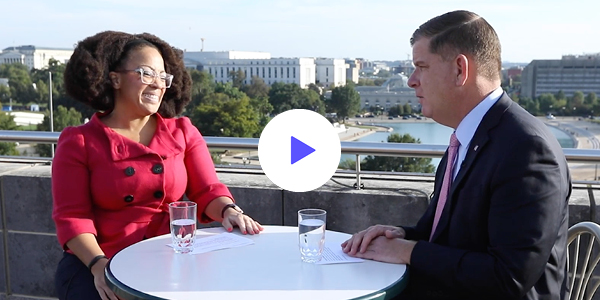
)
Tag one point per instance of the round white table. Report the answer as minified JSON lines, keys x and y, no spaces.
{"x":268,"y":269}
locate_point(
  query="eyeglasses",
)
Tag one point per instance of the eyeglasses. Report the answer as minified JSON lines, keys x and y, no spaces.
{"x":148,"y":76}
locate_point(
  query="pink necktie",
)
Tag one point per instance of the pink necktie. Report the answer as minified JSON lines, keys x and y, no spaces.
{"x":452,"y":150}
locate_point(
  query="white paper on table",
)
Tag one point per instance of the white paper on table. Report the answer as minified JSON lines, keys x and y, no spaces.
{"x":336,"y":256}
{"x":219,"y":241}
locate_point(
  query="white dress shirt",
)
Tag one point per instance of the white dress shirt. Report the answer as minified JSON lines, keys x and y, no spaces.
{"x":467,"y":127}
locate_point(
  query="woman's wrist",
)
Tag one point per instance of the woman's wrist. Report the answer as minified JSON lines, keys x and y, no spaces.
{"x":232,"y":206}
{"x":95,"y":260}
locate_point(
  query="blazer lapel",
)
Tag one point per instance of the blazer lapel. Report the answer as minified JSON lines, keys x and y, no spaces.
{"x":477,"y":144}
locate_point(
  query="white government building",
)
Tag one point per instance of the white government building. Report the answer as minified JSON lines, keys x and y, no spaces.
{"x":301,"y":71}
{"x":34,"y":57}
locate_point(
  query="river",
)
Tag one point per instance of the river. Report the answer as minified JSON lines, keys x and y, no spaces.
{"x":436,"y":134}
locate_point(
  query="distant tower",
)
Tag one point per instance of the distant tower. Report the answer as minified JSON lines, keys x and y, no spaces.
{"x":202,"y":50}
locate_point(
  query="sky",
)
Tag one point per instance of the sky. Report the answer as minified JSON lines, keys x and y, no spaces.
{"x":370,"y":29}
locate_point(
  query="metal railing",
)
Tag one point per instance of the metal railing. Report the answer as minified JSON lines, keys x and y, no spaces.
{"x":251,"y":144}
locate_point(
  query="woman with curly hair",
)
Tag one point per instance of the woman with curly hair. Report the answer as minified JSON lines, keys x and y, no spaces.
{"x":114,"y":177}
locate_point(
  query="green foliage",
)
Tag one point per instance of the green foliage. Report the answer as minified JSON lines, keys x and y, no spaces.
{"x":408,"y":109}
{"x":384,"y":74}
{"x":216,"y":157}
{"x":237,"y":78}
{"x":347,"y":164}
{"x":316,"y":88}
{"x":7,"y":122}
{"x":379,"y":81}
{"x":393,"y":164}
{"x":222,"y":109}
{"x":202,"y":86}
{"x":222,"y":115}
{"x":345,"y":101}
{"x":365,"y":82}
{"x":284,"y":97}
{"x":257,"y":88}
{"x":591,"y":99}
{"x":4,"y":94}
{"x":229,"y":90}
{"x":531,"y":105}
{"x":19,"y":81}
{"x":63,"y":118}
{"x":577,"y":99}
{"x":547,"y":102}
{"x":396,"y":110}
{"x":399,"y":164}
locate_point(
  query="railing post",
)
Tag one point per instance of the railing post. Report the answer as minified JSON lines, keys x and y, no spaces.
{"x":358,"y":185}
{"x":592,"y":203}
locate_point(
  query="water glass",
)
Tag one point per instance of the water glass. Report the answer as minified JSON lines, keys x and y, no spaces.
{"x":311,"y":230}
{"x":183,"y":225}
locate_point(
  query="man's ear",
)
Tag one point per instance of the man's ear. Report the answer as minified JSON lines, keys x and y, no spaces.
{"x":115,"y":80}
{"x":461,"y":65}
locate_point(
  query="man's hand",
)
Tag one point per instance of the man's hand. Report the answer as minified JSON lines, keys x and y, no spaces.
{"x":391,"y":250}
{"x":360,"y":241}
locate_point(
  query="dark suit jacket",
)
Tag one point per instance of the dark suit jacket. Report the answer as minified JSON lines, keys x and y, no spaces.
{"x":503,"y":231}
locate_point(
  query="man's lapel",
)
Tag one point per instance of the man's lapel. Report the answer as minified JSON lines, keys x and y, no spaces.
{"x":478,"y":143}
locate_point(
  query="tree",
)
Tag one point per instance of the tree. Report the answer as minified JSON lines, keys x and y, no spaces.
{"x":4,"y":94}
{"x":222,"y":115}
{"x":560,"y":95}
{"x":7,"y":122}
{"x":19,"y":82}
{"x":591,"y":99}
{"x":63,"y":118}
{"x":237,"y":78}
{"x":547,"y":103}
{"x":365,"y":82}
{"x":311,"y":100}
{"x":577,"y":99}
{"x":394,"y":164}
{"x":42,"y":92}
{"x":257,"y":88}
{"x":57,"y":69}
{"x":345,"y":101}
{"x":316,"y":88}
{"x":264,"y":109}
{"x":379,"y":81}
{"x":284,"y":97}
{"x":202,"y":86}
{"x":396,"y":110}
{"x":530,"y":105}
{"x":408,"y":109}
{"x":384,"y":74}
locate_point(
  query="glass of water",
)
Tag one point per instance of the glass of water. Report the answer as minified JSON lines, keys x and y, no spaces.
{"x":183,"y":225}
{"x":311,"y":230}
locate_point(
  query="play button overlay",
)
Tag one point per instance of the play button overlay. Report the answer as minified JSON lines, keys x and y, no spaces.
{"x":299,"y":150}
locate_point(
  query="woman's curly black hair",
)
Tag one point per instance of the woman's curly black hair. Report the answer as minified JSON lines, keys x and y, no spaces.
{"x":86,"y":73}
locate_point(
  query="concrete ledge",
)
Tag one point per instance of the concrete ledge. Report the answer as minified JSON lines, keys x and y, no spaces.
{"x":30,"y":248}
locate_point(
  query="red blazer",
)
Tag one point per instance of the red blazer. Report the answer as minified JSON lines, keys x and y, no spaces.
{"x":119,"y":190}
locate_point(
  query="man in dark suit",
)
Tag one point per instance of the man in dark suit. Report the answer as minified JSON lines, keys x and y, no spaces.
{"x":496,"y":227}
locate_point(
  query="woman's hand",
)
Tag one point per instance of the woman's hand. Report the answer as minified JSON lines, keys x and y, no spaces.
{"x":246,"y":224}
{"x":99,"y":281}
